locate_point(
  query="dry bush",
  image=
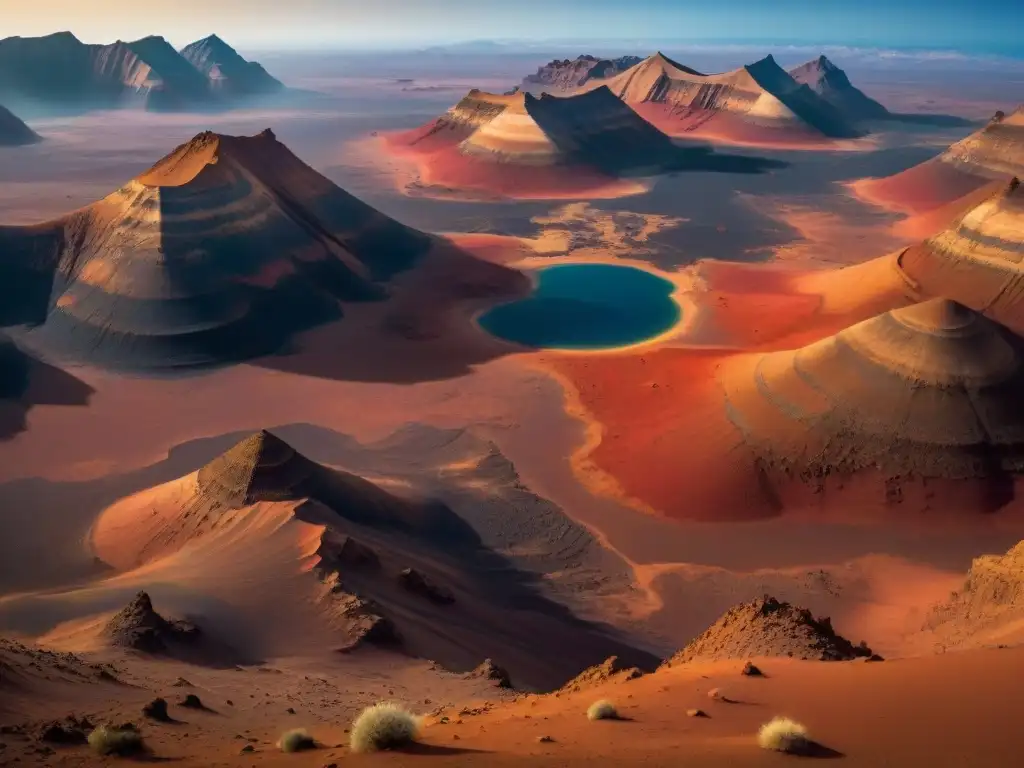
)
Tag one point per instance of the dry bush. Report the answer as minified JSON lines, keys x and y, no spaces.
{"x":383,"y":726}
{"x":111,"y":740}
{"x":784,"y":735}
{"x":296,"y":740}
{"x":602,"y":710}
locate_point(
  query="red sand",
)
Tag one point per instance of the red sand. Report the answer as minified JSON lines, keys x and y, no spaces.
{"x":724,"y":128}
{"x":920,"y":189}
{"x":443,"y":166}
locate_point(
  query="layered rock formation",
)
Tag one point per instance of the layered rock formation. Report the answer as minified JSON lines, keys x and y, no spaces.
{"x":978,"y":259}
{"x":221,"y":251}
{"x":14,"y":132}
{"x":993,"y":154}
{"x":567,"y":74}
{"x":988,"y":609}
{"x":680,"y":100}
{"x":62,"y":72}
{"x":831,"y":83}
{"x":769,"y":627}
{"x":917,"y":401}
{"x":521,"y":144}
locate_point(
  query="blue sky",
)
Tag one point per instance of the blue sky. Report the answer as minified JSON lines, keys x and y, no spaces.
{"x":992,"y":26}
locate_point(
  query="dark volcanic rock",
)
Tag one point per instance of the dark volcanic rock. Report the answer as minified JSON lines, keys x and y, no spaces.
{"x":191,"y":701}
{"x":140,"y":627}
{"x":157,"y":710}
{"x":71,"y":730}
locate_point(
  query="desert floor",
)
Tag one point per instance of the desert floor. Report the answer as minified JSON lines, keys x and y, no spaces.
{"x":62,"y":463}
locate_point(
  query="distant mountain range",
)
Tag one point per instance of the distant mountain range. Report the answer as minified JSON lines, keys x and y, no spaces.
{"x":61,"y":71}
{"x":818,"y":91}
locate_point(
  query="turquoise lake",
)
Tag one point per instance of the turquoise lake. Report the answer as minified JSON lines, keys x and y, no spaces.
{"x":587,"y":306}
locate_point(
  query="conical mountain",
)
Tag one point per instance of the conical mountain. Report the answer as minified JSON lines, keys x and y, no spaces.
{"x":928,"y":391}
{"x":260,"y":468}
{"x":978,"y":259}
{"x":521,"y":145}
{"x":221,"y":251}
{"x":832,"y":84}
{"x":226,"y":70}
{"x":13,"y":132}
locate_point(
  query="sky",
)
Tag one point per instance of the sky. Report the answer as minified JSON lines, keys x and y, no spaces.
{"x":982,"y":26}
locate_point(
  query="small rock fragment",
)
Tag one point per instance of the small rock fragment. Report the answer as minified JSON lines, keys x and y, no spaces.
{"x":157,"y":710}
{"x":751,"y":671}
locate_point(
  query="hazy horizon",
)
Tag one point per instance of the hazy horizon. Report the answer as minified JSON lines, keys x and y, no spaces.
{"x":958,"y":25}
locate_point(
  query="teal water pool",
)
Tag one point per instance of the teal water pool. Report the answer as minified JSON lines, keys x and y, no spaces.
{"x":587,"y":306}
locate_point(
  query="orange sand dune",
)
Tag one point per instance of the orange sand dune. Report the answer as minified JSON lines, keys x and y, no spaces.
{"x":734,"y":130}
{"x":336,"y":559}
{"x":772,"y":305}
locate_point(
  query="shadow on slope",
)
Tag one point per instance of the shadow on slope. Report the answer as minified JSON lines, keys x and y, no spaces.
{"x":466,"y":525}
{"x":599,"y":130}
{"x":26,"y":382}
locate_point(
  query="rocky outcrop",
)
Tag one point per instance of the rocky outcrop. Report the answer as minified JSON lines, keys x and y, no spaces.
{"x":566,"y":74}
{"x":611,"y":668}
{"x":139,"y":627}
{"x":769,"y":627}
{"x":488,"y":670}
{"x":988,"y":606}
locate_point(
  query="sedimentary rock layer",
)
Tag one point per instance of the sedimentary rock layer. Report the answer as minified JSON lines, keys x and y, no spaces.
{"x":927,"y":391}
{"x":681,"y":100}
{"x":221,"y":251}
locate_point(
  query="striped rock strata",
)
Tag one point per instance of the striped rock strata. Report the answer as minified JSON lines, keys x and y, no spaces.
{"x":221,"y":251}
{"x":680,"y":100}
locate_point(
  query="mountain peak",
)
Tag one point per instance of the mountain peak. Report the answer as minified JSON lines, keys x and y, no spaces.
{"x":262,"y":467}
